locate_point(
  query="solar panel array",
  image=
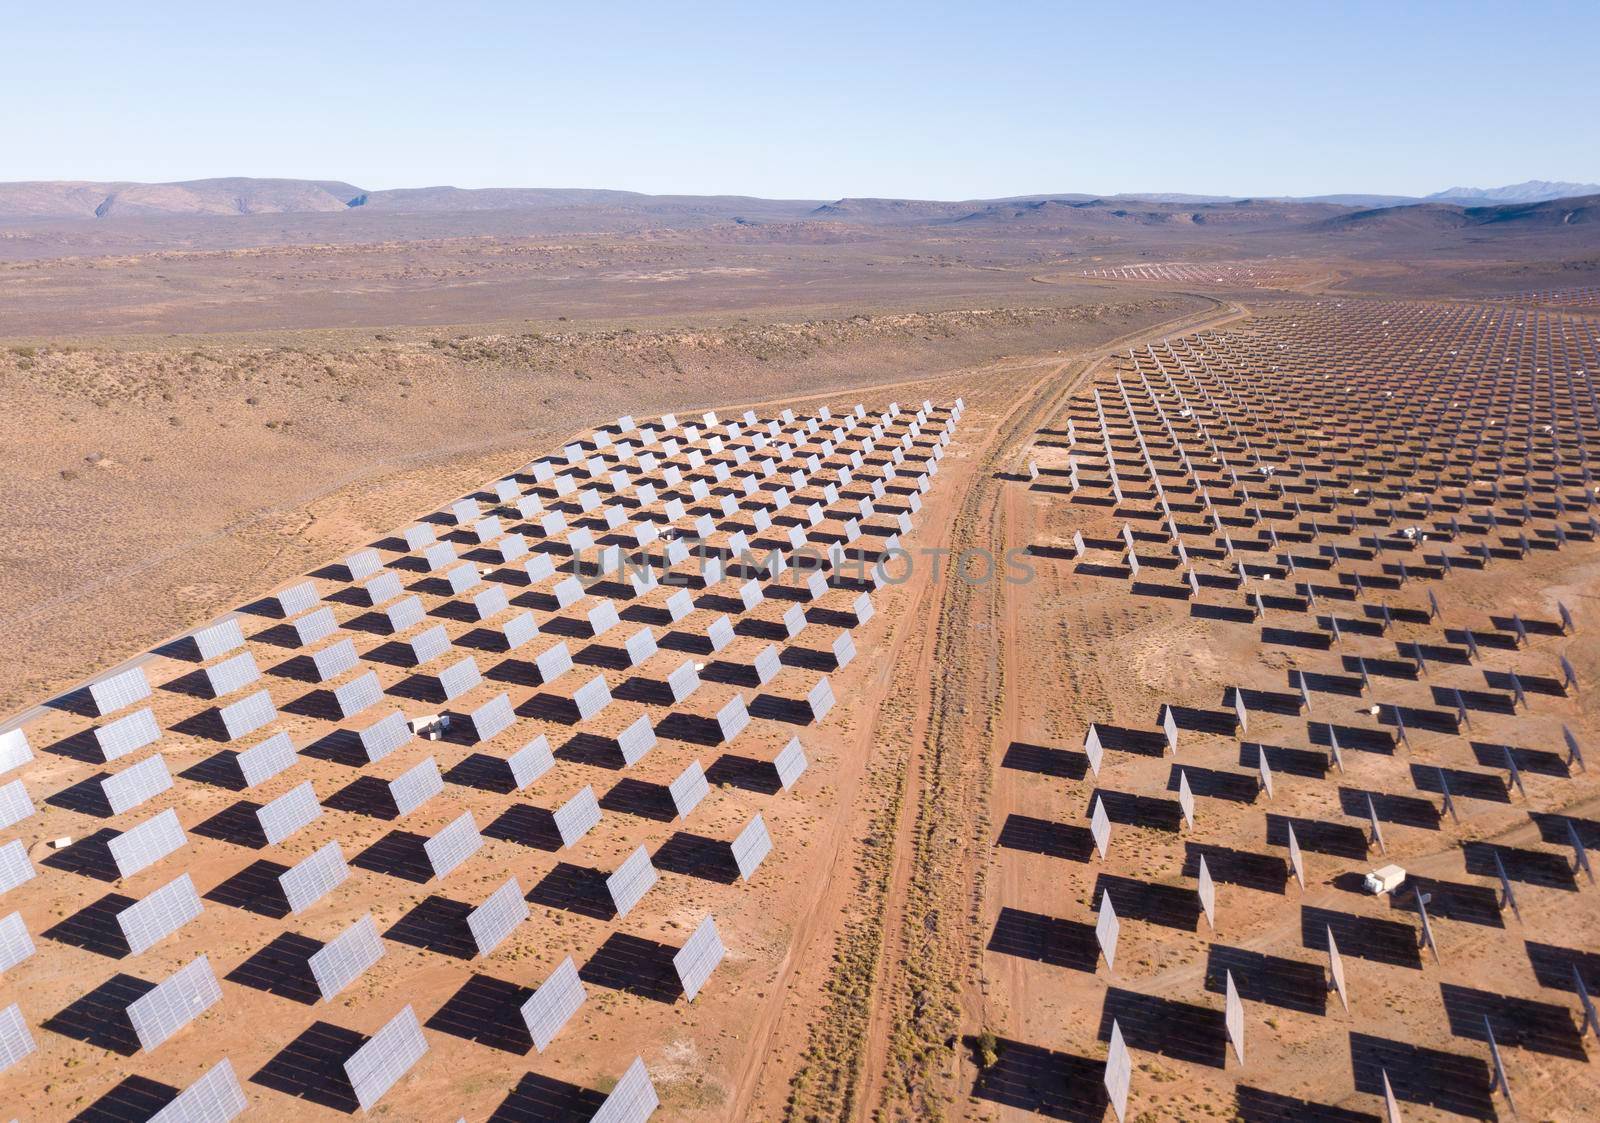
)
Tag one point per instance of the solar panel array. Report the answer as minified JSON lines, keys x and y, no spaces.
{"x":16,"y":1043}
{"x":453,"y":845}
{"x":127,"y":734}
{"x":218,"y":639}
{"x":751,"y":846}
{"x":120,"y":690}
{"x":633,"y":1100}
{"x":531,"y":761}
{"x":262,"y":762}
{"x":553,"y":1003}
{"x":174,"y":1003}
{"x":387,"y":1056}
{"x":293,"y":810}
{"x":384,"y":736}
{"x":491,"y":922}
{"x":146,"y":844}
{"x":15,"y":804}
{"x":698,"y":957}
{"x":136,"y":784}
{"x":147,"y":922}
{"x":234,"y":673}
{"x":15,"y":943}
{"x":15,"y":869}
{"x":248,"y":714}
{"x":346,"y":957}
{"x":314,"y":877}
{"x":215,"y":1098}
{"x":577,"y":817}
{"x":14,"y":750}
{"x":631,"y":881}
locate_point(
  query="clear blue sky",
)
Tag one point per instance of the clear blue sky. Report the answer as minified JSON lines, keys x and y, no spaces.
{"x":809,"y":100}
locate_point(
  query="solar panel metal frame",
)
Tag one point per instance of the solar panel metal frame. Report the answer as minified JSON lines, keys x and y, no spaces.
{"x":315,"y":626}
{"x":128,"y":734}
{"x":751,"y":846}
{"x":699,"y":956}
{"x":689,"y":788}
{"x":384,"y":736}
{"x":553,"y":1003}
{"x":120,"y":690}
{"x":147,"y":843}
{"x":147,"y":922}
{"x":386,"y":1057}
{"x":135,"y":784}
{"x":457,"y":841}
{"x":632,"y":1100}
{"x":416,"y":785}
{"x":248,"y":714}
{"x":459,"y":677}
{"x":314,"y":877}
{"x":358,"y":695}
{"x":494,"y":920}
{"x":790,"y":763}
{"x":1119,"y":1072}
{"x":335,"y":659}
{"x":346,"y":957}
{"x":631,"y":881}
{"x":592,"y":697}
{"x":15,"y":804}
{"x":16,"y":1043}
{"x":293,"y":810}
{"x":577,"y":816}
{"x":530,"y":762}
{"x":15,"y":943}
{"x":214,"y":1098}
{"x":218,"y":639}
{"x":175,"y":1002}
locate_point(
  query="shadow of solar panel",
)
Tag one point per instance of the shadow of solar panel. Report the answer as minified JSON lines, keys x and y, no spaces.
{"x":491,"y":922}
{"x":14,"y":750}
{"x":316,"y":626}
{"x":531,"y":761}
{"x":592,"y":697}
{"x":699,"y":957}
{"x":126,"y":735}
{"x":454,"y":844}
{"x":688,"y":789}
{"x":493,"y":717}
{"x":313,"y":878}
{"x":147,"y":843}
{"x":790,"y":763}
{"x":136,"y":783}
{"x":346,"y":957}
{"x":334,"y":660}
{"x":406,"y":614}
{"x":15,"y":805}
{"x":247,"y":715}
{"x":631,"y":881}
{"x":122,"y":689}
{"x":576,"y":817}
{"x":294,"y":809}
{"x":636,"y":740}
{"x":683,"y":681}
{"x":386,"y":1057}
{"x":161,"y":913}
{"x":215,"y":1098}
{"x":218,"y":639}
{"x":416,"y":785}
{"x":358,"y":695}
{"x":16,"y":1043}
{"x":820,"y":699}
{"x":173,"y":1004}
{"x":271,"y":757}
{"x":632,"y":1100}
{"x":15,"y":943}
{"x":751,"y":846}
{"x":385,"y":735}
{"x":733,"y":718}
{"x":362,"y":564}
{"x":458,"y":678}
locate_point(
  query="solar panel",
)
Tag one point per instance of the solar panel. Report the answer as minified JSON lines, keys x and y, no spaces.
{"x":592,"y":697}
{"x":14,"y":750}
{"x":122,"y":689}
{"x":733,"y":717}
{"x":1169,"y":725}
{"x":531,"y":761}
{"x":183,"y":996}
{"x":491,"y":602}
{"x":385,"y":735}
{"x":218,"y":639}
{"x":15,"y":944}
{"x":387,"y":1056}
{"x":689,"y":788}
{"x":1119,"y":1072}
{"x":631,"y":881}
{"x":334,"y":660}
{"x":429,"y":644}
{"x":1106,"y":927}
{"x":313,"y":878}
{"x":465,"y":512}
{"x":14,"y":865}
{"x":346,"y":957}
{"x":820,"y":699}
{"x":358,"y":695}
{"x":751,"y":846}
{"x":458,"y":841}
{"x":632,"y":1100}
{"x":1100,"y":826}
{"x":768,"y":664}
{"x":439,"y":555}
{"x":147,"y":843}
{"x":247,"y":714}
{"x":602,"y":618}
{"x":125,"y":735}
{"x":215,"y":1098}
{"x":383,"y":588}
{"x":232,"y":674}
{"x":698,"y":957}
{"x":408,"y":613}
{"x":790,"y":763}
{"x":640,"y":646}
{"x":576,"y":817}
{"x":683,"y":682}
{"x":568,"y":592}
{"x":487,"y":529}
{"x":146,"y":923}
{"x":315,"y":626}
{"x":297,"y":598}
{"x":844,"y":650}
{"x":539,"y":567}
{"x":416,"y":785}
{"x":519,"y":630}
{"x":679,"y":605}
{"x":294,"y":809}
{"x":1336,"y":971}
{"x":15,"y":805}
{"x":363,"y":564}
{"x":495,"y":919}
{"x":16,"y":1043}
{"x":493,"y":717}
{"x":1207,"y":891}
{"x":553,"y":1003}
{"x":458,"y":678}
{"x":1233,"y":1016}
{"x":419,"y":536}
{"x":463,"y":577}
{"x":136,"y":783}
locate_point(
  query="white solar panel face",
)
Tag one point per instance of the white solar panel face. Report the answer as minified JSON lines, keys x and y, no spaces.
{"x":844,"y":650}
{"x":416,"y":785}
{"x":363,"y":565}
{"x":683,"y":681}
{"x":506,"y":490}
{"x":173,"y":1004}
{"x":491,"y":602}
{"x":632,"y":1100}
{"x":577,"y":817}
{"x":688,"y":789}
{"x":556,"y":1000}
{"x":313,"y":878}
{"x":641,"y":645}
{"x":768,"y":664}
{"x":487,"y":529}
{"x":218,"y":639}
{"x":679,"y":605}
{"x":318,"y":625}
{"x":419,"y":537}
{"x":358,"y":695}
{"x":15,"y":943}
{"x":390,"y":1053}
{"x":136,"y":783}
{"x":383,"y":589}
{"x":820,"y":699}
{"x":119,"y":690}
{"x":147,"y":843}
{"x":720,"y":633}
{"x":463,"y":577}
{"x":428,"y":645}
{"x":752,"y":846}
{"x":540,"y":567}
{"x":495,"y":919}
{"x":294,"y":809}
{"x":636,"y":740}
{"x":493,"y":717}
{"x":592,"y":697}
{"x":453,"y":845}
{"x":334,"y":660}
{"x":631,"y":882}
{"x":15,"y":805}
{"x":127,"y":734}
{"x":553,"y":663}
{"x":698,"y":957}
{"x":384,"y":736}
{"x":146,"y":923}
{"x":15,"y":868}
{"x":14,"y":750}
{"x":568,"y":592}
{"x":465,"y":511}
{"x":790,"y":763}
{"x":215,"y":1098}
{"x":16,"y":1043}
{"x":346,"y":957}
{"x":1106,"y":927}
{"x":603,"y":617}
{"x":519,"y":630}
{"x":248,"y":714}
{"x":733,"y":718}
{"x":407,"y":614}
{"x":458,"y":678}
{"x":298,"y":598}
